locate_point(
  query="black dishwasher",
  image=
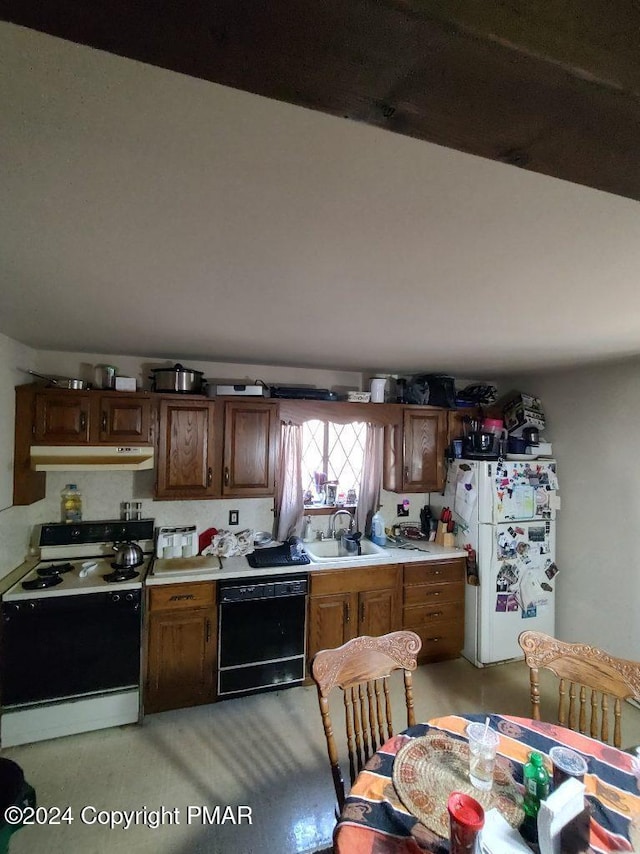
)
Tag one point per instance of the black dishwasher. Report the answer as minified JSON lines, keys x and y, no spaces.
{"x":262,"y":632}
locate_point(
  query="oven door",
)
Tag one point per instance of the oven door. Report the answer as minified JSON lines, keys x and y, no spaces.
{"x":68,"y":646}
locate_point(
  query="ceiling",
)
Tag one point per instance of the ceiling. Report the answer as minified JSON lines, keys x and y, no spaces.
{"x":158,"y":214}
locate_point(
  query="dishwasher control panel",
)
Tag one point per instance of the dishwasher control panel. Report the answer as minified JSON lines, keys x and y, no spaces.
{"x":232,"y":591}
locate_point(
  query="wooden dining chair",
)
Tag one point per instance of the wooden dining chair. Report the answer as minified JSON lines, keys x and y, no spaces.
{"x":361,"y":668}
{"x":592,"y":676}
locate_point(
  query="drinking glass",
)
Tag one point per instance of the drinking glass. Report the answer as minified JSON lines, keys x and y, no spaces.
{"x":483,"y":745}
{"x":566,"y":763}
{"x":466,"y":819}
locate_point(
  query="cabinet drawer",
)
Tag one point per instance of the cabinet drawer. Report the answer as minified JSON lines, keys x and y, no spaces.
{"x":426,"y":594}
{"x":434,"y":612}
{"x":436,"y":570}
{"x":176,"y":596}
{"x":443,"y":640}
{"x":354,"y":580}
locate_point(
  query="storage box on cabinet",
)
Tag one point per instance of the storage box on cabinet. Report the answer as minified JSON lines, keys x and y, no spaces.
{"x":433,"y":606}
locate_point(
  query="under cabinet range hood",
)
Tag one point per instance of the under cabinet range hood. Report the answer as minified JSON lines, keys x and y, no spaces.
{"x":91,"y":458}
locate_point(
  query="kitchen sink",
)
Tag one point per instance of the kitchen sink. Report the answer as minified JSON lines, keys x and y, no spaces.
{"x":323,"y":551}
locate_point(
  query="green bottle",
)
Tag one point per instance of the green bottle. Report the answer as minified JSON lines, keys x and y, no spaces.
{"x":536,"y":784}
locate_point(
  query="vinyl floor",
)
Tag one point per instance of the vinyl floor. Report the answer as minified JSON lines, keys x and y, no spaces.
{"x":266,"y":754}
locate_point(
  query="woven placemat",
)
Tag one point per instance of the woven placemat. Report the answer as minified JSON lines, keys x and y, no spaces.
{"x":427,"y":769}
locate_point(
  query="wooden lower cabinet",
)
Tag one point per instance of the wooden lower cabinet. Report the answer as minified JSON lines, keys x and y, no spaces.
{"x":433,"y":606}
{"x":346,"y":603}
{"x":181,"y":646}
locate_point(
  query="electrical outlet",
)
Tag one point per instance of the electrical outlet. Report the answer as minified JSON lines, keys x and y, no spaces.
{"x":234,"y":517}
{"x":403,"y":509}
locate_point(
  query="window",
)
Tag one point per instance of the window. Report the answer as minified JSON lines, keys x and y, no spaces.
{"x":333,"y":453}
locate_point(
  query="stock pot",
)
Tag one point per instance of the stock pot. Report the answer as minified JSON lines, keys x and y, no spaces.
{"x":177,"y":379}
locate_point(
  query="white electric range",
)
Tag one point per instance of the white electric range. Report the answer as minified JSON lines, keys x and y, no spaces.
{"x":71,"y":634}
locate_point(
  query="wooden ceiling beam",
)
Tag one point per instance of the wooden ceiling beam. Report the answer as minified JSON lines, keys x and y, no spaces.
{"x":553,"y":87}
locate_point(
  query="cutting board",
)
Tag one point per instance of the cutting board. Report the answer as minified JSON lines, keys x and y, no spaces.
{"x":180,"y":565}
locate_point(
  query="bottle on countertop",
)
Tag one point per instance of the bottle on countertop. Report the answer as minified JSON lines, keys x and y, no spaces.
{"x":307,"y":530}
{"x":71,"y":504}
{"x":378,"y":535}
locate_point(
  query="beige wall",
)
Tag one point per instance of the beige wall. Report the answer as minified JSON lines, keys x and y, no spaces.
{"x":593,"y":417}
{"x":14,"y":521}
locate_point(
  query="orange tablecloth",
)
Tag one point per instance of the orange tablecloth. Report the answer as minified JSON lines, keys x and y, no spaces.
{"x":374,"y":821}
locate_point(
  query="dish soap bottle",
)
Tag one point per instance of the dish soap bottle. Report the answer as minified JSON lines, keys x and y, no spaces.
{"x":307,"y":530}
{"x":71,"y":504}
{"x":378,"y":535}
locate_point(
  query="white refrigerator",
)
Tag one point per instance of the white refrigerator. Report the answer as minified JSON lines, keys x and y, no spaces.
{"x":506,"y":513}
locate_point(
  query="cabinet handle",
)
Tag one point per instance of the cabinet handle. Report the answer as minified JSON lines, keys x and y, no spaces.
{"x":436,"y":572}
{"x":436,"y":614}
{"x":406,"y":473}
{"x":104,"y":422}
{"x":362,"y":611}
{"x":208,"y":629}
{"x":437,"y":593}
{"x":347,"y":613}
{"x":83,"y":420}
{"x":432,"y":640}
{"x":209,"y":476}
{"x":226,"y":475}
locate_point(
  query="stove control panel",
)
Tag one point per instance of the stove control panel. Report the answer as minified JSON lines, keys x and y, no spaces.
{"x":96,"y":532}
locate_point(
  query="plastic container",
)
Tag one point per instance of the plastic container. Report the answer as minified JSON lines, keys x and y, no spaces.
{"x":71,"y":504}
{"x":378,"y":535}
{"x":378,"y":385}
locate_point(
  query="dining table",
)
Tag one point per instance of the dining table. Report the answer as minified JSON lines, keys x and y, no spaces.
{"x":406,"y":812}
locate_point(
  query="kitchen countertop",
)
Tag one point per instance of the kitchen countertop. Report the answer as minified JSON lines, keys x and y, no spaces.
{"x":237,"y":567}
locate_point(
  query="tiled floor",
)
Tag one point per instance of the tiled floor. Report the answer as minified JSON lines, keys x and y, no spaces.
{"x":266,"y":752}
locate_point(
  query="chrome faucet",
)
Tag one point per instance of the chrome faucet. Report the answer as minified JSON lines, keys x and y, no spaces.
{"x":331,"y":532}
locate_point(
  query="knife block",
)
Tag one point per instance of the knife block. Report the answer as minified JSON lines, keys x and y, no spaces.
{"x":443,"y":537}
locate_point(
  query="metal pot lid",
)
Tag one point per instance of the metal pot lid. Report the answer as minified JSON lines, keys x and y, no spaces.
{"x":176,"y":369}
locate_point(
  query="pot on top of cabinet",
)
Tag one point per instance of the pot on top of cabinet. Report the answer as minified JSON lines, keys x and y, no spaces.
{"x":176,"y":379}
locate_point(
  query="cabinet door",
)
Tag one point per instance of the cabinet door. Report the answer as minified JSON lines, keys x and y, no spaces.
{"x":377,"y":612}
{"x":62,"y":418}
{"x":331,"y":622}
{"x":250,"y":440}
{"x":125,"y":420}
{"x":186,"y":450}
{"x":181,"y":659}
{"x":425,"y":438}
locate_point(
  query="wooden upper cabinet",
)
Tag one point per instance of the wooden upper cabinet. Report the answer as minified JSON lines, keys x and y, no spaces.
{"x":186,"y":449}
{"x":414,"y":452}
{"x":125,"y":419}
{"x":250,"y":448}
{"x":69,"y":417}
{"x":62,"y":417}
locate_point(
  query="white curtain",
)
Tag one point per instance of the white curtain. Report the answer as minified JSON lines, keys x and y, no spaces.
{"x":290,"y":499}
{"x":369,"y":498}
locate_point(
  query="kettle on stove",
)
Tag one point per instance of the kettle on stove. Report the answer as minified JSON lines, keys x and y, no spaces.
{"x":128,"y":555}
